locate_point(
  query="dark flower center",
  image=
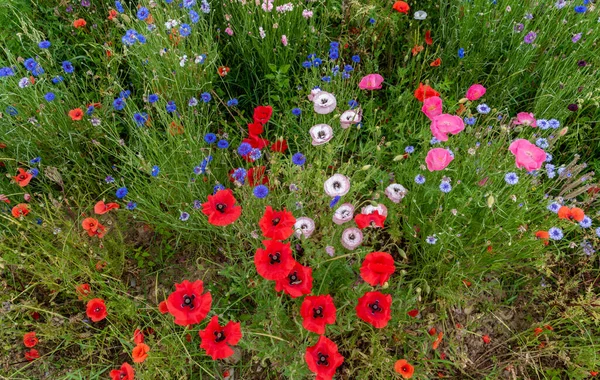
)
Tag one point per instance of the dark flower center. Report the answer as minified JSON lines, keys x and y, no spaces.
{"x":22,"y":176}
{"x":318,"y":312}
{"x":323,"y":359}
{"x":321,"y":134}
{"x":97,"y":309}
{"x":219,"y":336}
{"x":337,"y":185}
{"x":188,"y":301}
{"x":275,"y":258}
{"x":324,"y":100}
{"x":122,"y":375}
{"x":276,"y":221}
{"x":351,"y":237}
{"x":375,"y":308}
{"x":293,"y":279}
{"x":404,"y":369}
{"x":221,"y":207}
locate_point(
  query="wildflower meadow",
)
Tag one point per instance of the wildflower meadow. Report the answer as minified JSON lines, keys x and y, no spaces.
{"x":305,"y":189}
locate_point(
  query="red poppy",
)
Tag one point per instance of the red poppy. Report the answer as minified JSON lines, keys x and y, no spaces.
{"x":377,"y":268}
{"x":256,"y":141}
{"x":93,"y":228}
{"x":277,"y":225}
{"x":413,"y":313}
{"x":216,"y":340}
{"x":404,"y":369}
{"x":112,"y":14}
{"x":30,"y":340}
{"x":323,"y":358}
{"x":401,"y":6}
{"x":543,"y":235}
{"x":274,"y":262}
{"x":416,"y":49}
{"x":428,"y":39}
{"x":262,"y":114}
{"x":20,"y":210}
{"x":123,"y":373}
{"x":221,"y":208}
{"x":438,"y":340}
{"x":76,"y":114}
{"x":32,"y":354}
{"x":317,"y":311}
{"x":574,"y":213}
{"x":187,"y":303}
{"x":436,"y":63}
{"x":79,"y":23}
{"x":223,"y":70}
{"x":23,"y":178}
{"x":96,"y":309}
{"x":102,"y":208}
{"x":424,"y":92}
{"x":594,"y":373}
{"x":255,"y":128}
{"x":369,"y":220}
{"x":163,"y":308}
{"x":138,"y":336}
{"x":35,"y":315}
{"x":279,"y":146}
{"x":486,"y":339}
{"x":297,"y":283}
{"x":537,"y":331}
{"x":375,"y":308}
{"x":140,"y":353}
{"x":256,"y":176}
{"x":83,"y":290}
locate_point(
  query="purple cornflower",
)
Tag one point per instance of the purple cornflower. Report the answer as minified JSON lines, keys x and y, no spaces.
{"x":530,"y":37}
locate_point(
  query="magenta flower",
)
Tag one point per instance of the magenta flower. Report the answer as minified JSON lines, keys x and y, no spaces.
{"x":438,"y":159}
{"x":527,"y":155}
{"x":432,"y":107}
{"x":371,"y":82}
{"x":444,"y":124}
{"x":475,"y":92}
{"x":525,"y":118}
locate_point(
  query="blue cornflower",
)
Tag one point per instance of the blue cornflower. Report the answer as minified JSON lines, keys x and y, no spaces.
{"x":409,"y":149}
{"x":90,"y":110}
{"x":334,"y":201}
{"x":57,"y":79}
{"x":131,"y":205}
{"x":119,"y":7}
{"x":586,"y":222}
{"x":445,"y":187}
{"x":121,"y":192}
{"x":580,"y":9}
{"x":296,"y":111}
{"x":119,"y":104}
{"x":194,"y":16}
{"x":193,"y":102}
{"x":434,"y":141}
{"x":549,"y":168}
{"x":554,"y":124}
{"x":348,"y":68}
{"x":326,"y":79}
{"x":35,"y":160}
{"x":334,"y":54}
{"x":68,"y":67}
{"x":542,"y":124}
{"x":483,"y":109}
{"x":311,"y":57}
{"x":30,"y":64}
{"x":244,"y":149}
{"x":554,"y":207}
{"x":371,"y":21}
{"x":205,"y":7}
{"x":255,"y":154}
{"x":511,"y":178}
{"x":542,"y":143}
{"x":184,"y":216}
{"x":125,"y":94}
{"x":548,"y":157}
{"x":317,"y":61}
{"x":171,"y":107}
{"x":356,"y":58}
{"x":470,"y":120}
{"x":334,"y":45}
{"x":143,"y":13}
{"x":260,"y":191}
{"x":44,"y":44}
{"x":598,"y":231}
{"x":189,"y":3}
{"x":298,"y":159}
{"x":34,"y":172}
{"x":12,"y":111}
{"x":431,"y":239}
{"x":185,"y":30}
{"x":239,"y":175}
{"x":307,"y":64}
{"x":155,"y":171}
{"x":223,"y":144}
{"x":335,"y":70}
{"x":205,"y":96}
{"x":109,"y":179}
{"x":6,"y":72}
{"x":352,"y":103}
{"x":140,"y":118}
{"x":210,"y":138}
{"x":345,"y":75}
{"x":153,"y":98}
{"x":419,"y":179}
{"x":218,"y":187}
{"x":49,"y":96}
{"x":461,"y":53}
{"x":555,"y":233}
{"x":232,"y":102}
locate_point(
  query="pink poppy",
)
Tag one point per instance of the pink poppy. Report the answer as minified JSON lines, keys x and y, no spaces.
{"x":475,"y":92}
{"x":525,"y":118}
{"x":438,"y":159}
{"x":432,"y":107}
{"x":527,"y":155}
{"x":371,"y":82}
{"x":443,"y":124}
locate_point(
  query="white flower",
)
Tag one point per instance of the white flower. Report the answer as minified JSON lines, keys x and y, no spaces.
{"x":324,"y":102}
{"x":343,"y":214}
{"x":420,"y":15}
{"x":304,"y":226}
{"x":183,"y":60}
{"x":351,"y":238}
{"x":350,"y":117}
{"x":395,"y":192}
{"x":337,"y":185}
{"x":381,"y":209}
{"x":321,"y":134}
{"x":171,"y":24}
{"x":24,"y":82}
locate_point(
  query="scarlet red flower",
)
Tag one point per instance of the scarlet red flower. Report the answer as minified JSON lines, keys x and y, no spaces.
{"x":216,"y":340}
{"x":317,"y":311}
{"x":20,"y":210}
{"x":256,"y":141}
{"x":102,"y":208}
{"x":96,"y":309}
{"x":140,"y":353}
{"x":424,"y":92}
{"x":112,"y":14}
{"x":537,"y":331}
{"x":277,"y":225}
{"x":416,"y":50}
{"x":83,"y":290}
{"x":428,"y":39}
{"x":297,"y":283}
{"x":413,"y":313}
{"x":436,"y":63}
{"x":594,"y":373}
{"x":574,"y":213}
{"x":163,"y":308}
{"x":138,"y":336}
{"x":323,"y":358}
{"x":262,"y":114}
{"x":404,"y":369}
{"x":256,"y":176}
{"x":223,"y":70}
{"x":274,"y":262}
{"x":438,"y":340}
{"x":369,"y":220}
{"x":279,"y":146}
{"x":79,"y":23}
{"x":30,"y":340}
{"x":76,"y":114}
{"x":486,"y":339}
{"x":32,"y":354}
{"x":123,"y":373}
{"x":377,"y":268}
{"x":187,"y":303}
{"x":401,"y":6}
{"x":93,"y":228}
{"x":23,"y":178}
{"x":375,"y":308}
{"x":255,"y":128}
{"x":221,"y":209}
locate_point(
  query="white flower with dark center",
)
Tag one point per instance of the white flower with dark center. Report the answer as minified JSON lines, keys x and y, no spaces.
{"x":343,"y":214}
{"x":351,"y":238}
{"x":371,"y":209}
{"x":304,"y":227}
{"x":324,"y":102}
{"x":321,"y":134}
{"x":420,"y":15}
{"x":337,"y":185}
{"x":350,"y":117}
{"x":395,"y":192}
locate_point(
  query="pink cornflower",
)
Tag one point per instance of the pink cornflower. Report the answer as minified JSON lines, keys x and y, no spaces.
{"x":284,"y":40}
